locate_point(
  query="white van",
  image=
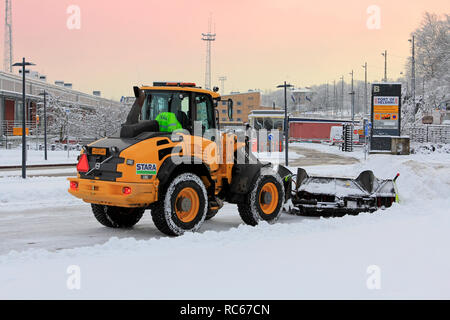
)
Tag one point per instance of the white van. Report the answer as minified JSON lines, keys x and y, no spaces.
{"x":336,"y":135}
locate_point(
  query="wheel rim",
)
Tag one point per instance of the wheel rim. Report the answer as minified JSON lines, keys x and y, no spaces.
{"x":187,"y":205}
{"x":268,"y":198}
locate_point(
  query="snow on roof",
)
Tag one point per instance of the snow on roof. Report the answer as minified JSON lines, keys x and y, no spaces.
{"x":302,"y":90}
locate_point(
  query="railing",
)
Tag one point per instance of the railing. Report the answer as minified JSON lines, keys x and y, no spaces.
{"x":430,"y":133}
{"x":7,"y":127}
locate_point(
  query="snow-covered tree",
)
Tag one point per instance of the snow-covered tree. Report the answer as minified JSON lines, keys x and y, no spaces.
{"x":432,"y":56}
{"x":79,"y":121}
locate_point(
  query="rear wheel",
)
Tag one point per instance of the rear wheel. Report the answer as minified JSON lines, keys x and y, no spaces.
{"x":117,"y":217}
{"x":265,"y":200}
{"x":183,"y":207}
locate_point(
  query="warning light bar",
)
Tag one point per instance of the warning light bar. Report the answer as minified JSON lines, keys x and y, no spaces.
{"x":173,"y":84}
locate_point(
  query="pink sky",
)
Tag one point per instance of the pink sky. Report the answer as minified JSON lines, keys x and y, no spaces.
{"x":260,"y":43}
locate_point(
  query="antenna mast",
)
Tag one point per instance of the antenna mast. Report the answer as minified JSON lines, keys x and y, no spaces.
{"x":208,"y":37}
{"x":222,"y":84}
{"x":7,"y":56}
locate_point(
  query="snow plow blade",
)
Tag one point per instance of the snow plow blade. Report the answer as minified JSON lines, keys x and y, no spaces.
{"x":330,"y":196}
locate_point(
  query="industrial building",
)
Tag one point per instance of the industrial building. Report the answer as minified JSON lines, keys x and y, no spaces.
{"x":243,"y":104}
{"x":11,"y":99}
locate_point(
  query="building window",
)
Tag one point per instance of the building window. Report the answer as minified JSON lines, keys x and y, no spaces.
{"x":224,"y":103}
{"x":239,"y":103}
{"x":239,"y":111}
{"x":224,"y":111}
{"x":238,"y":119}
{"x":250,"y":98}
{"x":224,"y":119}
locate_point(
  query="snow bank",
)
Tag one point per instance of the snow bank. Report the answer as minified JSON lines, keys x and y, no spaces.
{"x":14,"y":157}
{"x":428,"y":148}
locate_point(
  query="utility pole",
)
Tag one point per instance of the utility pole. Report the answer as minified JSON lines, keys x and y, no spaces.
{"x":326,"y":99}
{"x":365,"y":88}
{"x":334,"y":97}
{"x":8,"y":50}
{"x":342,"y":96}
{"x":222,"y":84}
{"x":44,"y":93}
{"x":208,"y":37}
{"x":384,"y":54}
{"x":352,"y":93}
{"x":413,"y":74}
{"x":67,"y":130}
{"x":286,"y":122}
{"x":23,"y":64}
{"x":353,"y":99}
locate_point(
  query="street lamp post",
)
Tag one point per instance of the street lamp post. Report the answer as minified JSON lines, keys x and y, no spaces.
{"x":286,"y":122}
{"x":366,"y":111}
{"x":384,"y":54}
{"x":342,"y":97}
{"x":353,"y":99}
{"x":413,"y":74}
{"x":352,"y":93}
{"x":44,"y":93}
{"x":334,"y":98}
{"x":67,"y":131}
{"x":23,"y":64}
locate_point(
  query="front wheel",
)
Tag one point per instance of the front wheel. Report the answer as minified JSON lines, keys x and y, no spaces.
{"x":183,"y":207}
{"x":265,"y":200}
{"x":117,"y":217}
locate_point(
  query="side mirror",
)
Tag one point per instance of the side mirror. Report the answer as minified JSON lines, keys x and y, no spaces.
{"x":230,"y":109}
{"x":136,"y":91}
{"x":216,"y":111}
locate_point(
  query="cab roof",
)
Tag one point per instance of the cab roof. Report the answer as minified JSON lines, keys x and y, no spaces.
{"x":179,"y":86}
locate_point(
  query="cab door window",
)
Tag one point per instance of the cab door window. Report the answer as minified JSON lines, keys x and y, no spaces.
{"x":204,"y":111}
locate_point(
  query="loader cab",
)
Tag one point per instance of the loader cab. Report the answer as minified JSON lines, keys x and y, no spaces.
{"x":186,"y":102}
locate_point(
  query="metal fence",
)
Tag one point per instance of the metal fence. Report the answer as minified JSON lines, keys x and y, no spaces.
{"x":430,"y":133}
{"x":7,"y":127}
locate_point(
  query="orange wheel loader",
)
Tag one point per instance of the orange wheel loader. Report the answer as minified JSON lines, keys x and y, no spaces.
{"x":183,"y":176}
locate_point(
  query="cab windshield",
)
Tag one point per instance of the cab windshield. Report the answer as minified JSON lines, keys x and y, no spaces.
{"x":181,"y":108}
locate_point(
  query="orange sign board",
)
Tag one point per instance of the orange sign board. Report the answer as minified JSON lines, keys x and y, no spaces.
{"x":99,"y":151}
{"x":18,"y":131}
{"x":385,"y":109}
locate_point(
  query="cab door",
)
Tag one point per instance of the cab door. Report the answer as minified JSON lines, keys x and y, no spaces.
{"x":204,"y":111}
{"x":205,"y":131}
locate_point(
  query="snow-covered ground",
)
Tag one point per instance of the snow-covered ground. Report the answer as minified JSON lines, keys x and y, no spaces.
{"x":14,"y":157}
{"x":402,"y":251}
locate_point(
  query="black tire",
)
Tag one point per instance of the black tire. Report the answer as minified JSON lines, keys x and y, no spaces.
{"x":164,"y":212}
{"x":117,"y":217}
{"x":251,"y":211}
